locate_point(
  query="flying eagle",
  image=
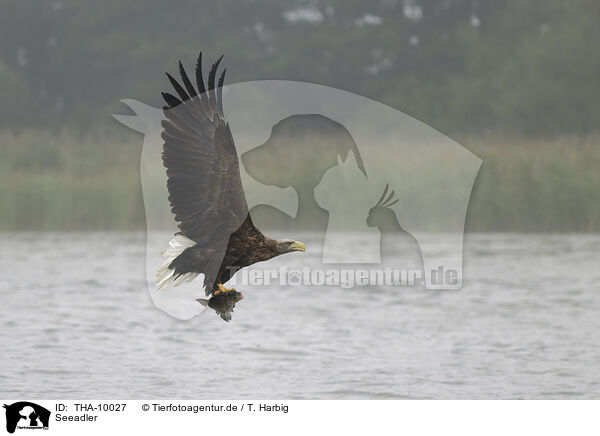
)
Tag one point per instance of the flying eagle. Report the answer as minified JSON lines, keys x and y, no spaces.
{"x":217,"y":236}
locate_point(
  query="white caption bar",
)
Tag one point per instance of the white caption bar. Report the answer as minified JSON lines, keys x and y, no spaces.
{"x":101,"y":417}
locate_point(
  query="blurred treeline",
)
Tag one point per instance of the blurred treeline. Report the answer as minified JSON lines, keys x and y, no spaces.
{"x":526,"y":67}
{"x":92,"y":182}
{"x":515,"y":81}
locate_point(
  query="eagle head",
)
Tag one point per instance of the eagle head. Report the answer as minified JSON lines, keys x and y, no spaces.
{"x":288,"y":245}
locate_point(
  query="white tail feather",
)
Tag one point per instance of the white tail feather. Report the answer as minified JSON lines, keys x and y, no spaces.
{"x":164,"y":275}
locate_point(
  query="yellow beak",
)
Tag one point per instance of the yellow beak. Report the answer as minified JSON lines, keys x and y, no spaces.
{"x":298,"y":246}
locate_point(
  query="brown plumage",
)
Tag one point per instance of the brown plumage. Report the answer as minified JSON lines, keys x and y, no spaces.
{"x":205,"y":189}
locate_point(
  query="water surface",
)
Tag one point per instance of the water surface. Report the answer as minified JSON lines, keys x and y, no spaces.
{"x":77,"y":322}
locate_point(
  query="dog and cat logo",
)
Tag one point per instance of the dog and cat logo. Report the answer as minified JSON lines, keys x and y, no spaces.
{"x":26,"y":415}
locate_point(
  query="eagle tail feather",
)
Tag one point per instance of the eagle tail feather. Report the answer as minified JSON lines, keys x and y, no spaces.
{"x":165,"y":275}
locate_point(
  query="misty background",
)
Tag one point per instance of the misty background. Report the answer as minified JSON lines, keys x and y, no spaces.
{"x":514,"y":81}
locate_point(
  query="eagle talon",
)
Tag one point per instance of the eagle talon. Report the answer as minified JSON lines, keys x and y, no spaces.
{"x":222,"y":288}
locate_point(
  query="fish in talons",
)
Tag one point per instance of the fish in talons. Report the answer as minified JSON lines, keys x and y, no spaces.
{"x":222,"y":302}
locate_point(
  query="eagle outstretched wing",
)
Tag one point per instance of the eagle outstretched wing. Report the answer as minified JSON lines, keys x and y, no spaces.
{"x":217,"y":236}
{"x":204,"y":183}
